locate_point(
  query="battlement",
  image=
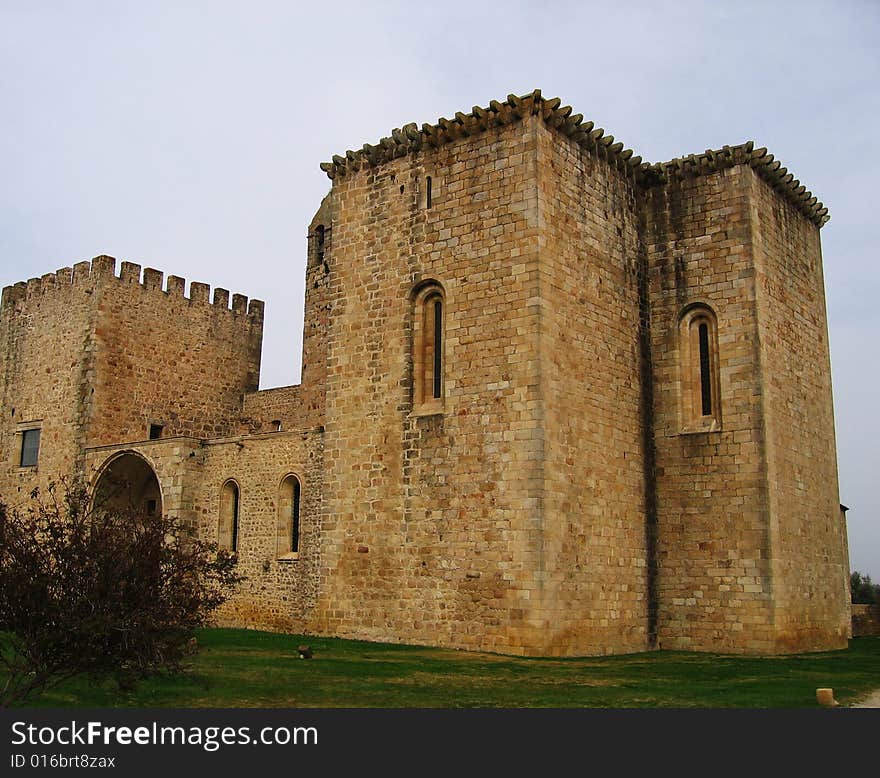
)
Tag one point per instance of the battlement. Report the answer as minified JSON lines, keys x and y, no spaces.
{"x":410,"y":139}
{"x":102,"y":269}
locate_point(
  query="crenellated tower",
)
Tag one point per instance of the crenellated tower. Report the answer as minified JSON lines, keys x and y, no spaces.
{"x":91,"y":359}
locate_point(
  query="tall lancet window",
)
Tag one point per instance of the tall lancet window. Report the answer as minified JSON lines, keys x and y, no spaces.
{"x":699,"y":370}
{"x":288,"y":534}
{"x":227,"y":530}
{"x":429,"y":317}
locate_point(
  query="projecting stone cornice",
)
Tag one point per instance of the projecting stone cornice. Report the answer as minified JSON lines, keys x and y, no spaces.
{"x":763,"y":163}
{"x":410,"y":139}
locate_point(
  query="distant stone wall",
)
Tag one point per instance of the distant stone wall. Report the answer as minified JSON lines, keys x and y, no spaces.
{"x":272,"y":410}
{"x":865,"y":620}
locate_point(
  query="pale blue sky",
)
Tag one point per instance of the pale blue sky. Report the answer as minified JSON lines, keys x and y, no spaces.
{"x":187,"y":135}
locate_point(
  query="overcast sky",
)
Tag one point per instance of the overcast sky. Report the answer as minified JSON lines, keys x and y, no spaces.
{"x":186,"y":136}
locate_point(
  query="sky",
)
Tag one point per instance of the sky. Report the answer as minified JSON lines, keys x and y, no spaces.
{"x":186,"y":136}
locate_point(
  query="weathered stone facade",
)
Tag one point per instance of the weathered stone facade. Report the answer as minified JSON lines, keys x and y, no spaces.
{"x":555,"y":400}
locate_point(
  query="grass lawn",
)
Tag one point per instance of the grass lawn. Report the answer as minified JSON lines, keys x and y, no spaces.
{"x":240,"y":668}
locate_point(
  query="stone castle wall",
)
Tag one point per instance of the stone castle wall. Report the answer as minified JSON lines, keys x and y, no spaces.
{"x":714,"y":581}
{"x":594,"y":593}
{"x":810,"y":565}
{"x":175,"y":462}
{"x":162,"y":358}
{"x":99,"y":358}
{"x":46,"y":331}
{"x":431,"y":518}
{"x":281,"y":590}
{"x":271,"y":410}
{"x":748,"y":513}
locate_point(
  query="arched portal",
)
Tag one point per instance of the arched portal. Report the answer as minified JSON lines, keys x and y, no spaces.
{"x":126,"y":482}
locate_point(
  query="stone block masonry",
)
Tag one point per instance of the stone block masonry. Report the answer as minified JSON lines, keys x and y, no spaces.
{"x":554,"y":401}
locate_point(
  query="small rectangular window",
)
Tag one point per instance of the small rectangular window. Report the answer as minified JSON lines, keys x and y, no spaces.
{"x":30,"y":447}
{"x":156,"y":431}
{"x":320,"y":237}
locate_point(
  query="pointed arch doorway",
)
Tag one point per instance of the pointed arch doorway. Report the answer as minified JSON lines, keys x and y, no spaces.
{"x":127,"y":481}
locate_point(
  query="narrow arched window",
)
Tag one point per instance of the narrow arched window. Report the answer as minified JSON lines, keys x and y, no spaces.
{"x":436,"y":347}
{"x":294,"y":518}
{"x":429,"y":192}
{"x":429,"y":317}
{"x":288,"y":525}
{"x":705,"y":373}
{"x":700,"y":385}
{"x":227,"y":534}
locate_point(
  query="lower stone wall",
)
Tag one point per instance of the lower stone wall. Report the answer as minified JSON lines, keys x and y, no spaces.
{"x":288,"y":592}
{"x":865,"y":620}
{"x":280,"y":589}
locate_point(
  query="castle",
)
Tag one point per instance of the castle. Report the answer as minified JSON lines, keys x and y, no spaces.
{"x":555,"y":400}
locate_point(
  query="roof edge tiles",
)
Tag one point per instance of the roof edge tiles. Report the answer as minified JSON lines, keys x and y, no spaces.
{"x":411,"y":139}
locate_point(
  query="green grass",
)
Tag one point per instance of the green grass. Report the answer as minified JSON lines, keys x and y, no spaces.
{"x":240,"y":668}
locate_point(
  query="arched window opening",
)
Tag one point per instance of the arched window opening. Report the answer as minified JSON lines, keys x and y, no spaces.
{"x":128,"y":482}
{"x":705,"y":377}
{"x":428,"y":349}
{"x":294,"y":518}
{"x":700,"y":385}
{"x":429,"y":191}
{"x":229,"y":515}
{"x":437,"y":348}
{"x":288,"y":528}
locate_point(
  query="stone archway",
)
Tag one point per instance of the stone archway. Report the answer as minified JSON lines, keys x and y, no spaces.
{"x":128,"y":481}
